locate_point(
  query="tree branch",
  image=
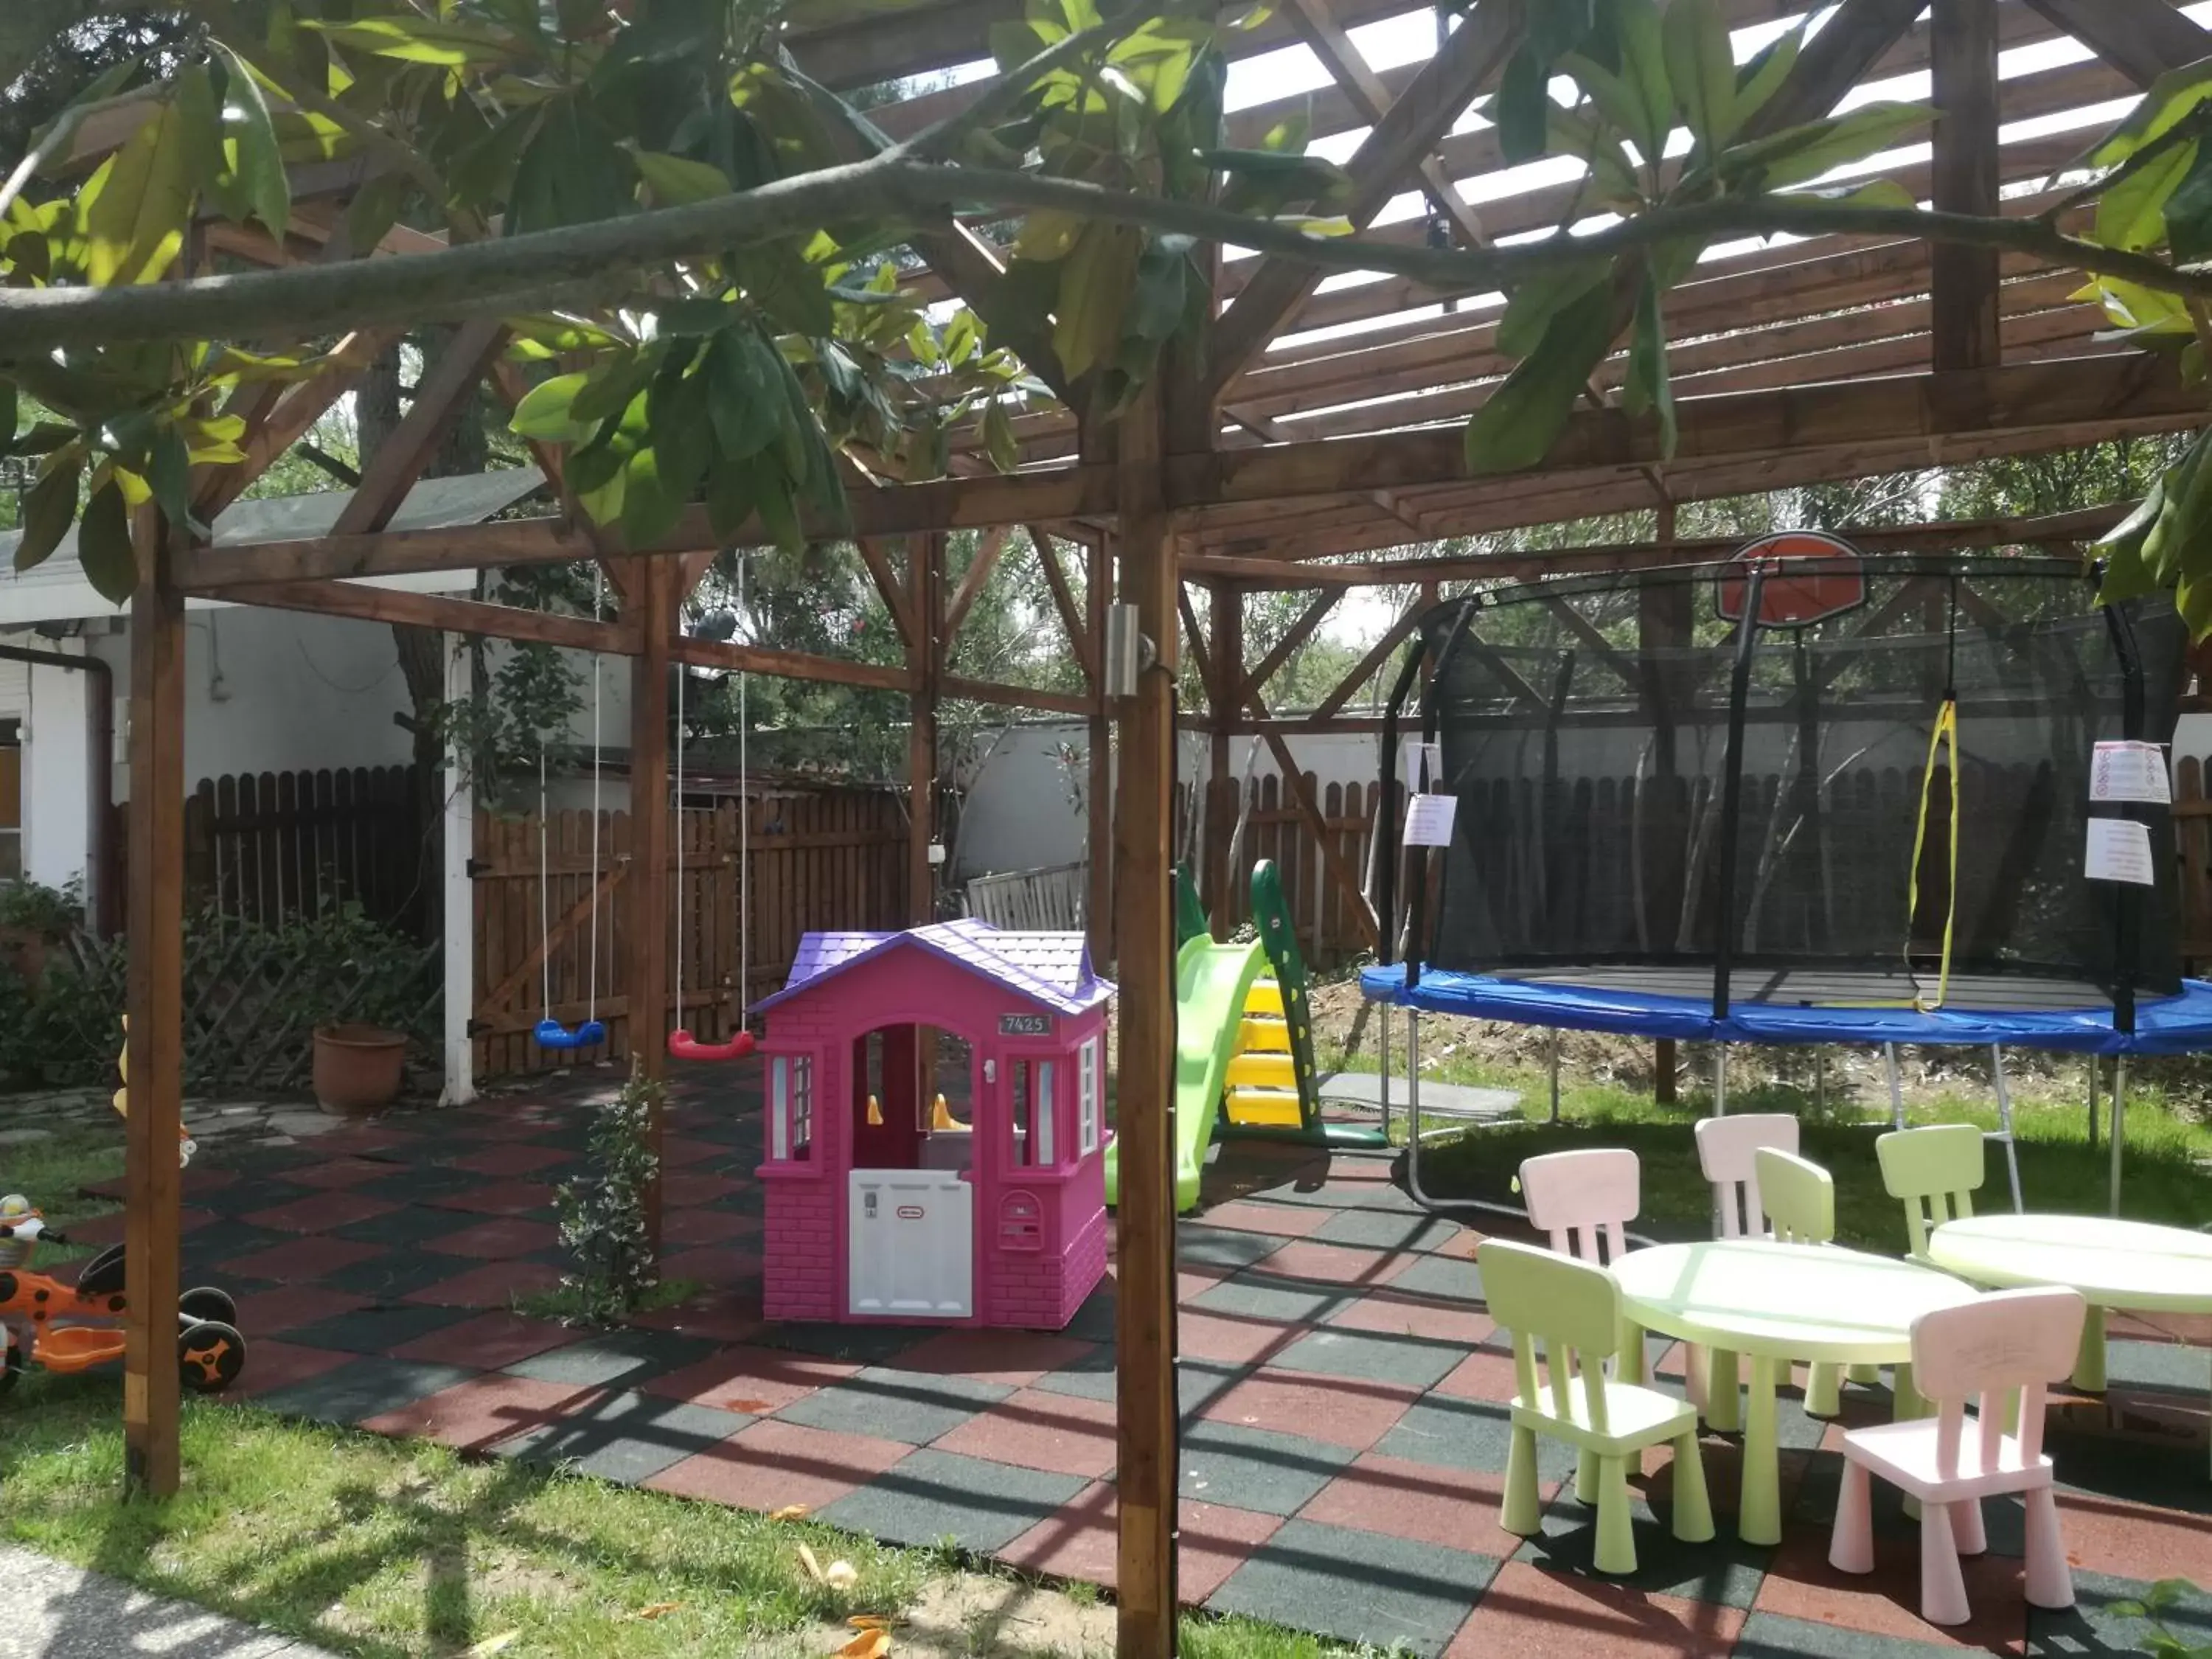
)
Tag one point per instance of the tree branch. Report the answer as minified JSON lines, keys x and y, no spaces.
{"x":478,"y":277}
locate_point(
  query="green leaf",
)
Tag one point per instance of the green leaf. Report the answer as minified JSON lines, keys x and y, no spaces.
{"x":675,"y":180}
{"x":1648,"y":386}
{"x":1701,"y":69}
{"x":259,"y":163}
{"x":547,"y":411}
{"x":48,"y":511}
{"x":1516,"y":425}
{"x":199,"y":125}
{"x":2136,"y":309}
{"x":415,"y":39}
{"x":1262,"y":181}
{"x":1558,"y":26}
{"x":1799,"y":153}
{"x":1762,"y":77}
{"x":1529,"y":311}
{"x":998,"y":437}
{"x":1093,"y":283}
{"x":2132,"y":213}
{"x":8,"y":415}
{"x":136,"y":221}
{"x":1524,"y":103}
{"x":780,"y":279}
{"x":777,"y":512}
{"x":730,"y":497}
{"x":1613,"y":183}
{"x":103,"y":545}
{"x":1046,"y":234}
{"x":2188,"y":210}
{"x":2168,"y":99}
{"x":373,"y":210}
{"x":1155,"y":298}
{"x":169,"y":472}
{"x":745,"y":400}
{"x":649,"y":511}
{"x":1643,"y":68}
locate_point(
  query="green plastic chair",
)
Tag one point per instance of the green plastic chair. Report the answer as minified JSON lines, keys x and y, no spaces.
{"x":1936,"y":1170}
{"x":1799,"y":1197}
{"x":1574,"y":1309}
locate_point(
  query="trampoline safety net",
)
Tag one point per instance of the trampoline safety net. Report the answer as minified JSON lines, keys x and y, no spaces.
{"x":1585,"y":725}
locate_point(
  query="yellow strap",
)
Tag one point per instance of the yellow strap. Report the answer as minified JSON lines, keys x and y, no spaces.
{"x":1945,"y":732}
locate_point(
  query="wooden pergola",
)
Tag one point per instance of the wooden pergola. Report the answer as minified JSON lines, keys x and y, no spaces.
{"x":1320,"y":428}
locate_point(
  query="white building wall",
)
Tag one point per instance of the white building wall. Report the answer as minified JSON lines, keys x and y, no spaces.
{"x":57,"y":778}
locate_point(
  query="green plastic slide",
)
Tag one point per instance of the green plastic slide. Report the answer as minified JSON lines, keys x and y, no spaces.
{"x":1212,"y":982}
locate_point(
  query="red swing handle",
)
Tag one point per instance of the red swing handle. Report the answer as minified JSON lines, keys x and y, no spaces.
{"x":682,"y":1045}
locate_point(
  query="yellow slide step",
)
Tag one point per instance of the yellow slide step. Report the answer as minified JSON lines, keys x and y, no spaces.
{"x":1263,"y":1070}
{"x":1267,"y":1036}
{"x":1265,"y":997}
{"x":1271,"y":1106}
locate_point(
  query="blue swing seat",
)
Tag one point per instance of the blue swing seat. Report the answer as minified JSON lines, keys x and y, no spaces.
{"x":552,"y":1033}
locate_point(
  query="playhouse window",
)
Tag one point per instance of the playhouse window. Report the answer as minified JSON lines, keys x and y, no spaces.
{"x":1089,"y":1105}
{"x":791,"y":1106}
{"x":1031,"y":1096}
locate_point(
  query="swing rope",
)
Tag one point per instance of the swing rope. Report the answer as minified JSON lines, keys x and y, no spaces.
{"x":550,"y":1033}
{"x":680,"y":1043}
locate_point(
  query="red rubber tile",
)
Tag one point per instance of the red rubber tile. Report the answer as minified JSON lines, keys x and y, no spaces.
{"x":1285,"y":1220}
{"x":723,"y":1316}
{"x":1336,"y":1411}
{"x":1079,"y":1542}
{"x":270,"y":1364}
{"x":754,"y":1380}
{"x":677,"y":1150}
{"x":1529,"y":1613}
{"x":488,"y":1342}
{"x":498,"y":1241}
{"x":1455,"y":1509}
{"x":1060,"y":1433}
{"x":1800,"y":1585}
{"x":343,"y":1172}
{"x":481,"y":1411}
{"x":300,"y":1259}
{"x":288,"y":1307}
{"x":680,"y":1186}
{"x":2133,"y":1541}
{"x":512,"y":1159}
{"x":322,"y":1213}
{"x":1405,"y":1313}
{"x":772,"y":1466}
{"x":697,"y":1226}
{"x":495,"y":1285}
{"x":1013,"y":1360}
{"x":1485,"y":1374}
{"x":499,"y":1198}
{"x":1334,"y":1264}
{"x":1231,"y":1339}
{"x":723,"y":1266}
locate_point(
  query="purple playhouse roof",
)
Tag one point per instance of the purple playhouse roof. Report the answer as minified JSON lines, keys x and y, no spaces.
{"x":1052,"y":968}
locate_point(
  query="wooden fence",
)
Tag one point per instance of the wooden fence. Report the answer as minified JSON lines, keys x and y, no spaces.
{"x":836,"y":859}
{"x":1323,"y":913}
{"x":273,"y":845}
{"x":1050,"y":900}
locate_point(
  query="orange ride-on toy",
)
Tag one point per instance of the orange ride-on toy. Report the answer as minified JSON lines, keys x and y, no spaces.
{"x":210,"y":1352}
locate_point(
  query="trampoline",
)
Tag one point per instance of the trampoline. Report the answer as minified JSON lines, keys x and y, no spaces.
{"x":1803,"y":796}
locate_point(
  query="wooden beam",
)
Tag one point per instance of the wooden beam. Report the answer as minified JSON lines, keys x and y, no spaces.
{"x":1471,"y":55}
{"x":1364,"y":669}
{"x":1013,"y":697}
{"x":153,"y":1004}
{"x":651,"y":609}
{"x":888,"y":587}
{"x":2141,"y":38}
{"x":1347,"y":66}
{"x":1225,"y":687}
{"x":274,"y":425}
{"x":1834,"y":61}
{"x":1098,"y":790}
{"x":1600,"y":646}
{"x":442,"y":392}
{"x":730,"y":656}
{"x":1294,"y":636}
{"x":1195,"y":635}
{"x":972,"y":580}
{"x":473,"y":618}
{"x":1063,"y":599}
{"x":1299,"y":787}
{"x":1964,"y":82}
{"x":1145,"y":1396}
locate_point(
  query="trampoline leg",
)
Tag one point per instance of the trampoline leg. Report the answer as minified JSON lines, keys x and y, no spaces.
{"x":1820,"y":1083}
{"x":1383,"y":1043}
{"x":2119,"y":1123}
{"x":2004,"y":1124}
{"x":2095,"y":1065}
{"x":1555,"y":1074}
{"x":1720,"y":1079}
{"x":1896,"y":1086}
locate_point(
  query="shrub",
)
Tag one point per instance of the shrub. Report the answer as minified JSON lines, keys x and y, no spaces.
{"x":602,"y":1211}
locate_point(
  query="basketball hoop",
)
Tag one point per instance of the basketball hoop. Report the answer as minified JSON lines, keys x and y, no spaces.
{"x":1806,"y":577}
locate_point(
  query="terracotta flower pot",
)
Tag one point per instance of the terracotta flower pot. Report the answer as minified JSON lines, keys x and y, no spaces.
{"x":357,"y":1068}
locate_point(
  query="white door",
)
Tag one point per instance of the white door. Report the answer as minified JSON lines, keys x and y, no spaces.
{"x":910,"y":1244}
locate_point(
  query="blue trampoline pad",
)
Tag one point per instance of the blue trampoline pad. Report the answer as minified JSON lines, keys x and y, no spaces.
{"x":1803,"y":1005}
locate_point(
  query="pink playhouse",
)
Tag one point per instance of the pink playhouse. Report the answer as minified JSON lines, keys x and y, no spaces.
{"x":936,"y":1128}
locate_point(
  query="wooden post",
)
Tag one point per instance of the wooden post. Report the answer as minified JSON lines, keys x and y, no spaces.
{"x":926,"y":589}
{"x":457,"y":912}
{"x":1962,"y":281}
{"x":1663,"y":1070}
{"x":1145,"y":934}
{"x":650,"y":584}
{"x":1224,"y":699}
{"x":1098,"y":794}
{"x":154,"y":1005}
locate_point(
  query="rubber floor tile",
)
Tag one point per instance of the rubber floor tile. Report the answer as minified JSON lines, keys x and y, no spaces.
{"x":1198,"y":1245}
{"x":1061,"y":1434}
{"x":1528,"y":1613}
{"x":299,"y":1260}
{"x":1800,"y":1585}
{"x":1358,"y":1587}
{"x":494,"y":1284}
{"x":1254,"y":1216}
{"x":2093,"y":1626}
{"x":1255,"y":1469}
{"x":360,"y":1388}
{"x":1409,"y":1361}
{"x":1449,"y":1507}
{"x":1342,"y":1411}
{"x":625,"y":1435}
{"x":1080,"y":1540}
{"x":931,"y":1496}
{"x":1012,"y":1359}
{"x":1771,"y":1636}
{"x":488,"y":1341}
{"x":285,"y":1307}
{"x":479,"y":1412}
{"x":319,"y":1212}
{"x":1724,"y":1569}
{"x":376,"y":1329}
{"x":607,"y":1359}
{"x":1465,"y":1434}
{"x":272,"y":1364}
{"x":774,"y":1465}
{"x":890,"y":1402}
{"x":490,"y":1241}
{"x":402,"y":1227}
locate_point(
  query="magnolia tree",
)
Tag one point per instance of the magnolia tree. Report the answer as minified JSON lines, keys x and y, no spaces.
{"x":697,"y":250}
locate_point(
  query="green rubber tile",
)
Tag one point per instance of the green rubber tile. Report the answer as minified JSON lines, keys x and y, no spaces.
{"x":607,"y":1358}
{"x":1726,"y":1571}
{"x":888,"y":1403}
{"x":226,"y":1240}
{"x":418,"y":1184}
{"x":2167,"y":1477}
{"x":1256,"y":1295}
{"x":1387,"y":1230}
{"x":1770,"y":1635}
{"x":1092,"y":1377}
{"x":1473,"y":1435}
{"x":1442,"y":1275}
{"x":931,"y":1496}
{"x":1390,"y":1593}
{"x":365,"y":1387}
{"x":1198,"y":1245}
{"x":377,"y":1330}
{"x":406,"y":1227}
{"x":2093,"y":1627}
{"x":390,"y":1276}
{"x":625,"y":1435}
{"x":1349,"y":1196}
{"x":2158,"y":1366}
{"x":1098,"y":1319}
{"x":866,"y":1344}
{"x":2004,"y":1521}
{"x":1255,"y":1469}
{"x":1373,"y":1356}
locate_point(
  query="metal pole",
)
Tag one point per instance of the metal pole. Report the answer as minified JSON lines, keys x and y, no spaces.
{"x":2119,"y":1123}
{"x":1820,"y":1082}
{"x":2004,"y":1124}
{"x":1720,"y":1079}
{"x":1555,"y":1074}
{"x":1896,"y":1086}
{"x":2095,"y":1066}
{"x":1388,"y":1009}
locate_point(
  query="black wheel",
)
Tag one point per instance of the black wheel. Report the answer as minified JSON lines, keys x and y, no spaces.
{"x":11,"y":1364}
{"x":204,"y":1302}
{"x":209,"y":1356}
{"x":103,"y":1274}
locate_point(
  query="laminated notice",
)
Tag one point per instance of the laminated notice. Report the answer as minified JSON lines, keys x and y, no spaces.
{"x":2120,"y":850}
{"x":1428,"y":820}
{"x":2130,"y":771}
{"x":1412,"y":753}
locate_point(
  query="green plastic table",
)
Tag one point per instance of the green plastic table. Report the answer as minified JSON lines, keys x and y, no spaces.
{"x":2134,"y":1266}
{"x":1778,"y":1303}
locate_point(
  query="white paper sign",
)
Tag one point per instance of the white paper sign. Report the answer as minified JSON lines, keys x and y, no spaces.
{"x":2120,"y":850}
{"x":2130,"y":771}
{"x":1410,"y":753}
{"x":1428,"y":820}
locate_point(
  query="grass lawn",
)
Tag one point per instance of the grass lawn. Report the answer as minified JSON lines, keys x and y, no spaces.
{"x":2167,"y":1178}
{"x":389,"y":1548}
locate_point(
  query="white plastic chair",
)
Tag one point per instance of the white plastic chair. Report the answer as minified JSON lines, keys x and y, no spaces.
{"x":1982,"y":1349}
{"x":1577,"y":1198}
{"x":1727,"y":1152}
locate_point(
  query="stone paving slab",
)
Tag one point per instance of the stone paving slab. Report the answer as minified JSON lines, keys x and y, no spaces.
{"x":49,"y":1610}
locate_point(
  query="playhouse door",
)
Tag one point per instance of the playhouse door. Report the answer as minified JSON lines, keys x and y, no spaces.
{"x":910,"y":1245}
